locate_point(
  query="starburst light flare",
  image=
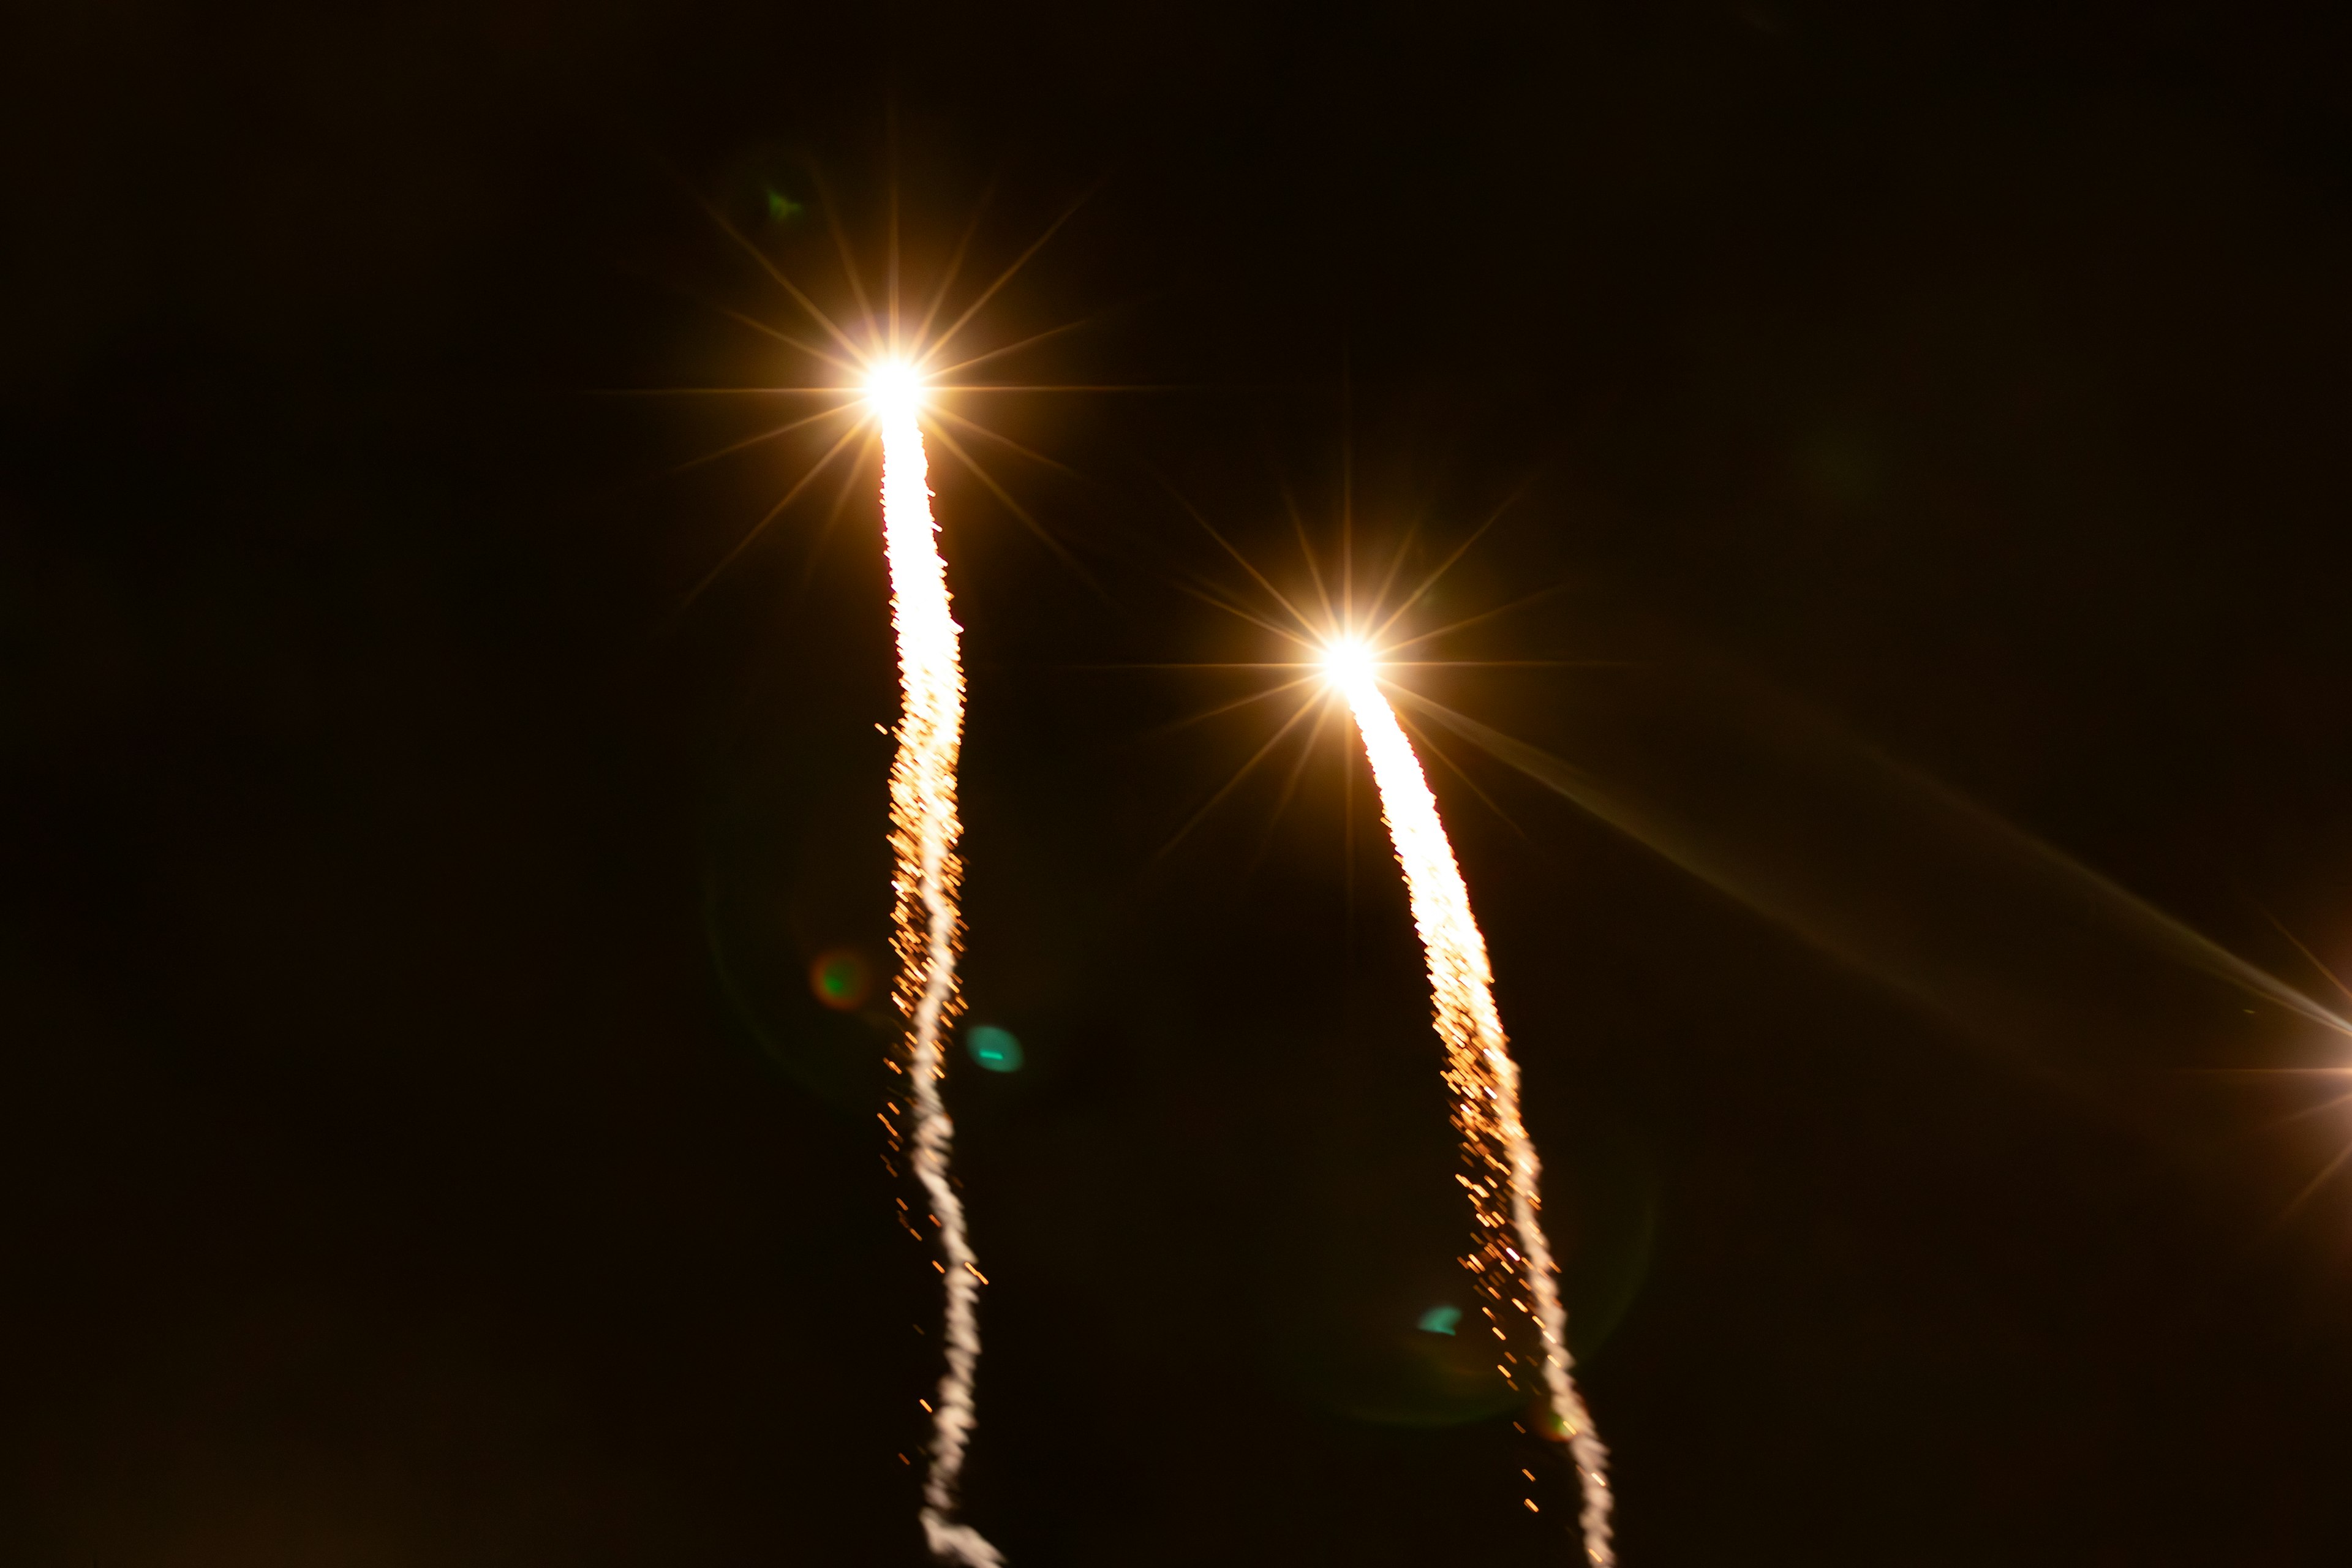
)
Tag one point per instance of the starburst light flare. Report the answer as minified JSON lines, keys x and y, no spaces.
{"x":1484,"y":1081}
{"x":928,"y":926}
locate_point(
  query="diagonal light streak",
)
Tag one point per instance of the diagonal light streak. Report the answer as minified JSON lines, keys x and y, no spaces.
{"x":776,"y":273}
{"x":1246,"y":565}
{"x":1380,"y":635}
{"x":1022,"y":512}
{"x":841,"y":241}
{"x":955,"y":263}
{"x":1520,"y":603}
{"x":785,"y":338}
{"x":939,"y":345}
{"x":1239,"y":773}
{"x":765,"y":435}
{"x":1030,"y":342}
{"x":1424,"y":740}
{"x":1002,"y":440}
{"x":773,"y":512}
{"x":1209,"y":598}
{"x":1237,"y":703}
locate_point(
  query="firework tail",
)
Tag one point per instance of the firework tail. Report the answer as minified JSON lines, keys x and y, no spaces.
{"x":923,"y":829}
{"x":1502,"y":1179}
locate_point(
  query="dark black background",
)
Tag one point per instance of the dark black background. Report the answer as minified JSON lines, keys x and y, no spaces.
{"x":417,"y":1142}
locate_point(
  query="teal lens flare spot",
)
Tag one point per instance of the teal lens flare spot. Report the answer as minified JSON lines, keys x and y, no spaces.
{"x":993,"y":1048}
{"x":1440,"y":1320}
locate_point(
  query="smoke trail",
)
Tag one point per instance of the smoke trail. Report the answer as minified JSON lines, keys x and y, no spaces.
{"x":923,"y":829}
{"x":1483,"y":1077}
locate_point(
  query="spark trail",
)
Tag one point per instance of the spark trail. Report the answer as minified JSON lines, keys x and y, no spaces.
{"x":928,"y":929}
{"x":1504,"y":1170}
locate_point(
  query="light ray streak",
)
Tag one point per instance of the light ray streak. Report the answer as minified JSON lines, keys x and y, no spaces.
{"x":1522,"y":602}
{"x":713,"y":391}
{"x":1305,"y":549}
{"x":1206,"y":597}
{"x":1346,"y":494}
{"x":776,"y":273}
{"x":1423,"y":739}
{"x":833,"y":517}
{"x":1246,"y":562}
{"x":1289,"y":789}
{"x":1480,"y":1072}
{"x":1002,"y":440}
{"x":1674,"y":830}
{"x":939,"y":345}
{"x":1013,"y":348}
{"x":928,"y":930}
{"x":1396,"y":564}
{"x":2333,"y":978}
{"x":773,"y":512}
{"x":1061,"y":552}
{"x":1378,"y":637}
{"x":955,"y":261}
{"x":751,"y":441}
{"x":841,"y":242}
{"x":1505,"y":664}
{"x":1239,"y":702}
{"x":891,"y":259}
{"x":849,"y":366}
{"x":2291,"y":1117}
{"x":963,"y":388}
{"x":1240,"y":774}
{"x":2316,"y":1183}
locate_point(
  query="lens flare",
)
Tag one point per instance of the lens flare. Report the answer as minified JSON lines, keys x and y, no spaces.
{"x":1503,"y":1179}
{"x":928,"y":928}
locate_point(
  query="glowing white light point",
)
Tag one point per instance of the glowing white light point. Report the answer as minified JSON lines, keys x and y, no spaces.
{"x":1350,"y":663}
{"x":893,"y":390}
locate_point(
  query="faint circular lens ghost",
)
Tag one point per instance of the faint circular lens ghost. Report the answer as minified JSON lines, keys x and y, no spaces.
{"x":839,"y":979}
{"x":993,"y":1048}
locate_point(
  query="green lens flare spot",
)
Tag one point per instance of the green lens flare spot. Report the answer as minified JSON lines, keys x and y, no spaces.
{"x":840,"y":979}
{"x":1440,"y":1320}
{"x":993,"y":1048}
{"x":781,"y":208}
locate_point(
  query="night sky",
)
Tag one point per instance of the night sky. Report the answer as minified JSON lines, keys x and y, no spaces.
{"x":1913,"y":436}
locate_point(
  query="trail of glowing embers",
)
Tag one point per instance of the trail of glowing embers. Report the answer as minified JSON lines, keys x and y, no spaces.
{"x":1485,"y":1084}
{"x":923,"y":829}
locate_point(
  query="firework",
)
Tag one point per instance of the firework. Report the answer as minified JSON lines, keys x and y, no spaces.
{"x":1512,"y":1260}
{"x":928,"y":930}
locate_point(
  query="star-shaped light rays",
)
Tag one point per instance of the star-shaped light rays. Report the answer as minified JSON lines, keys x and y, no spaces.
{"x":876,"y":354}
{"x":1330,"y":636}
{"x":2336,"y":1106}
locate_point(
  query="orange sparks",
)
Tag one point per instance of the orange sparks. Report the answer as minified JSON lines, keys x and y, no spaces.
{"x":1480,"y":1070}
{"x":923,"y":829}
